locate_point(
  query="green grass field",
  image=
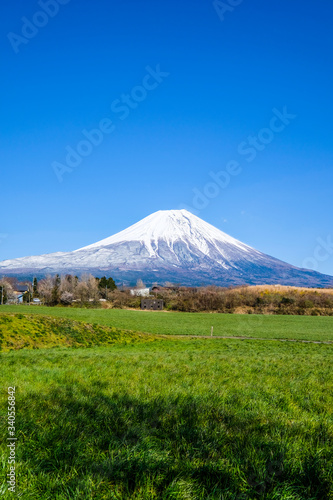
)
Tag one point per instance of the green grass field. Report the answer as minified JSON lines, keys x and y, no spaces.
{"x":149,"y":417}
{"x":174,"y":323}
{"x":182,"y":419}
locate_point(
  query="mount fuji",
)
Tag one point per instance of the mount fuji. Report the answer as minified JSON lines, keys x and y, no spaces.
{"x":170,"y":245}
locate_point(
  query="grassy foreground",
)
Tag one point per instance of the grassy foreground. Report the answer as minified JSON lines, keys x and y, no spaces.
{"x":140,"y":416}
{"x":177,"y":419}
{"x":175,"y":323}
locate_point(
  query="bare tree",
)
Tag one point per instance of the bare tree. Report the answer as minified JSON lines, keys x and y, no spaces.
{"x":66,"y":298}
{"x":45,"y":287}
{"x":6,"y":291}
{"x":68,"y":283}
{"x":87,"y":289}
{"x":140,"y":284}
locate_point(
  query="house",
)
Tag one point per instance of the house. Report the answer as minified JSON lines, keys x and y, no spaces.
{"x":21,"y":288}
{"x":156,"y":288}
{"x":18,"y":294}
{"x":140,"y":292}
{"x":152,"y":304}
{"x":15,"y":298}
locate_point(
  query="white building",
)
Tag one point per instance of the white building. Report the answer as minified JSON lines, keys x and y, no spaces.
{"x":140,"y":292}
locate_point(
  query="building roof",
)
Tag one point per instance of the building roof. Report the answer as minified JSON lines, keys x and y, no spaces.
{"x":21,"y":288}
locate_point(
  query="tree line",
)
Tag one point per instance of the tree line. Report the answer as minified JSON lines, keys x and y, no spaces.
{"x":239,"y":300}
{"x":87,"y":290}
{"x":250,"y":300}
{"x":65,"y":290}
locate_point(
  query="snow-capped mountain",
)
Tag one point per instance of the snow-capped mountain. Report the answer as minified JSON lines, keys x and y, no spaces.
{"x":170,"y":245}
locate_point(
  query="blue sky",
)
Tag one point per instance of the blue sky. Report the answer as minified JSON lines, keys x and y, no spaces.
{"x":218,"y":78}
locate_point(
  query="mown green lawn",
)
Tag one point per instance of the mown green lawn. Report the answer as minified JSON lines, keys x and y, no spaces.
{"x":175,"y":323}
{"x":174,"y":419}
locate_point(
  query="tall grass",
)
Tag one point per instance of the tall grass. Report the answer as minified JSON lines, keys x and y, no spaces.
{"x":176,"y":419}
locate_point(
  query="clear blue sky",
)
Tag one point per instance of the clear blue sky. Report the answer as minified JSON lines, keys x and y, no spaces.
{"x":225,"y":78}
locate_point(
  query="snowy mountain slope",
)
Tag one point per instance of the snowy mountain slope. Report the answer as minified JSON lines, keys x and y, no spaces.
{"x":170,"y":226}
{"x":172,"y":245}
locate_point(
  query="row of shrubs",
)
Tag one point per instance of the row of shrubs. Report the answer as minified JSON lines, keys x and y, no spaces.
{"x":238,"y":300}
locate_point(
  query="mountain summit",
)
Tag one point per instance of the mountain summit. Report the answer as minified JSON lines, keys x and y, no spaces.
{"x":171,"y":245}
{"x":170,"y":227}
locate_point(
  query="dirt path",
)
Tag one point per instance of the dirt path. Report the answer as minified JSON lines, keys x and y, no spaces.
{"x":254,"y":338}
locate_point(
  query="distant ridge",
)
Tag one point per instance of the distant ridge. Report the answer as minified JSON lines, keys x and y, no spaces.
{"x":171,"y":245}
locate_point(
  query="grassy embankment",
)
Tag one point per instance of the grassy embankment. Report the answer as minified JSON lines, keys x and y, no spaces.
{"x":18,"y":331}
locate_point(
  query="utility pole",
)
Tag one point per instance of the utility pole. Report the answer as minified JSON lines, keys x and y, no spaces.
{"x":2,"y":290}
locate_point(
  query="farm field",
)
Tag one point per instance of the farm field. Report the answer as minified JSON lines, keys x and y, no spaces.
{"x":105,"y":411}
{"x":175,"y":323}
{"x":172,"y":419}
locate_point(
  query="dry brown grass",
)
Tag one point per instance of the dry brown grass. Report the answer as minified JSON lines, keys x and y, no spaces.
{"x":282,"y":288}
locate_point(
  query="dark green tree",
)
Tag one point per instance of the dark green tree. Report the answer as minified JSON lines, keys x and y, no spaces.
{"x":105,"y":285}
{"x":111,"y":284}
{"x":102,"y":282}
{"x":35,"y":288}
